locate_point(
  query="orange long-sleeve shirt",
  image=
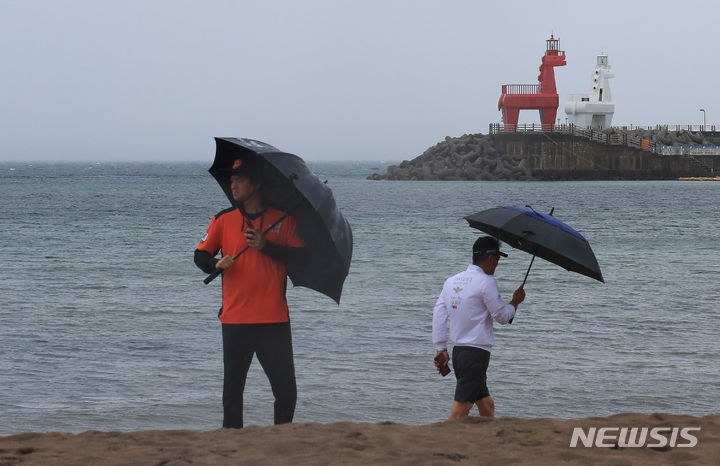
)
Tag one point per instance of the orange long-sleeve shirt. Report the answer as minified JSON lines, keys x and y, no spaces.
{"x":253,"y":288}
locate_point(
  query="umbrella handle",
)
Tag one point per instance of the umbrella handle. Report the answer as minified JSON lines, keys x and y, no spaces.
{"x":212,"y":276}
{"x":217,"y":272}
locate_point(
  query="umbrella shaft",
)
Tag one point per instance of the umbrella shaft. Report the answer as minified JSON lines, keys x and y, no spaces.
{"x":242,"y":251}
{"x":528,"y":271}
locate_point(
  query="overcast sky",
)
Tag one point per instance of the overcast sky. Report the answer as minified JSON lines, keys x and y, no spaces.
{"x":328,"y":80}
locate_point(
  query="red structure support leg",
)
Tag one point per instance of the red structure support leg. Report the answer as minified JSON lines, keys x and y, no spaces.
{"x":510,"y":116}
{"x":547,"y":118}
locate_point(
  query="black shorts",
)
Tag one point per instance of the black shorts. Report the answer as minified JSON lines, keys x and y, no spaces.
{"x":470,"y":365}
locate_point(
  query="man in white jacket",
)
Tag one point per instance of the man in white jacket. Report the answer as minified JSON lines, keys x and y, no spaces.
{"x":471,"y":300}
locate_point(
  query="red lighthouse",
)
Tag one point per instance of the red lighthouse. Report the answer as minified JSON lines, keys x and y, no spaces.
{"x":542,"y":96}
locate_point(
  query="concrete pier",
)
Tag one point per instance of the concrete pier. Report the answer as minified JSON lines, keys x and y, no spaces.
{"x":566,"y":153}
{"x":566,"y":157}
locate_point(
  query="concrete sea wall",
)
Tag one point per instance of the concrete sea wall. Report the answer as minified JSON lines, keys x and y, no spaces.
{"x":560,"y":156}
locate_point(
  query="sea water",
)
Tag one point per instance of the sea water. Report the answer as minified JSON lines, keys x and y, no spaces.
{"x":105,"y":322}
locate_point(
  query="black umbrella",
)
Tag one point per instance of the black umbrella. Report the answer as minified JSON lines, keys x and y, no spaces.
{"x":541,"y":235}
{"x":289,"y":186}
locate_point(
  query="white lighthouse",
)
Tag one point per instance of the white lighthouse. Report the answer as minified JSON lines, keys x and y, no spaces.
{"x":594,"y":109}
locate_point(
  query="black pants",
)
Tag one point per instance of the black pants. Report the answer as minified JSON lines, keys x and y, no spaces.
{"x":273,"y":345}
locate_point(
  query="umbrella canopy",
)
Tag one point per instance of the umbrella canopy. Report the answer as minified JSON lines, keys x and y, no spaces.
{"x":539,"y":234}
{"x":289,"y":186}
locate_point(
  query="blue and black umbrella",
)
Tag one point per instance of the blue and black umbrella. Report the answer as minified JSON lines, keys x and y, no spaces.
{"x":541,"y":235}
{"x":289,"y":186}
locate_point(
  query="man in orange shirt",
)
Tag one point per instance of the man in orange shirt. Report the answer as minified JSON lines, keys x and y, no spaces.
{"x":254,"y":313}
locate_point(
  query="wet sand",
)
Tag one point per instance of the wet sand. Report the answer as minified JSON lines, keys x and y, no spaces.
{"x":474,"y":440}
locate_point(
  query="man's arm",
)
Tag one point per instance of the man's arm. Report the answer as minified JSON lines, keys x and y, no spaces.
{"x":205,"y":261}
{"x":502,"y":313}
{"x":518,"y":297}
{"x":210,"y":245}
{"x":439,"y":324}
{"x":439,"y":334}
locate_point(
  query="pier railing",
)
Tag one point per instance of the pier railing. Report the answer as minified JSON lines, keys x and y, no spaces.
{"x":688,"y":150}
{"x":568,"y":128}
{"x":587,"y":133}
{"x":621,"y":138}
{"x":691,"y":128}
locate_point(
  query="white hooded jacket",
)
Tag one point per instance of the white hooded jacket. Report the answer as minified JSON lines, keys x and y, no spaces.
{"x":471,"y":300}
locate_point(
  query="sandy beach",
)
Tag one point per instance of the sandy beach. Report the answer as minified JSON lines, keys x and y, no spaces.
{"x":473,"y":440}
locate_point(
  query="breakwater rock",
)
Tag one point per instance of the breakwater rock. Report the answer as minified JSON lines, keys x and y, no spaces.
{"x":574,"y":154}
{"x":468,"y":157}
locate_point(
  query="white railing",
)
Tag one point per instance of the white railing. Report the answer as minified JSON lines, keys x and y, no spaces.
{"x":569,"y":128}
{"x":688,"y":150}
{"x":692,"y":128}
{"x":620,"y":138}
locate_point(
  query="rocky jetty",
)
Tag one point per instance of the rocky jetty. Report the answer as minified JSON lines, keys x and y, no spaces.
{"x":468,"y":157}
{"x":479,"y":157}
{"x":669,"y":138}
